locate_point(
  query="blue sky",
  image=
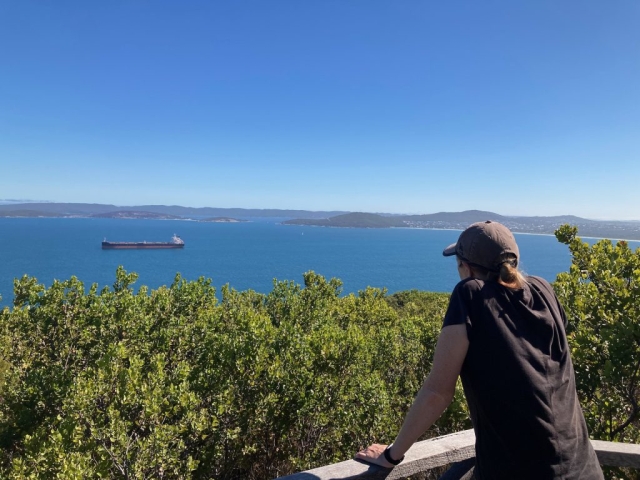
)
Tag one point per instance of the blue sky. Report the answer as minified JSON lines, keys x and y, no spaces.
{"x":362,"y":105}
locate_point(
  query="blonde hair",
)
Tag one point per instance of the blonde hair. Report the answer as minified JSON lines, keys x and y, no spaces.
{"x":509,"y":275}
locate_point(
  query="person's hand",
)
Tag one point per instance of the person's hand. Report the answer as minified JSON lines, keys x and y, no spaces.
{"x":374,"y":454}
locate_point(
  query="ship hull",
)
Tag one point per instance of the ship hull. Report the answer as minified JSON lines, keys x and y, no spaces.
{"x":139,"y":245}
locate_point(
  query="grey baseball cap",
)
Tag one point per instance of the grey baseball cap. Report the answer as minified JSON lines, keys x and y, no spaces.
{"x":486,"y":244}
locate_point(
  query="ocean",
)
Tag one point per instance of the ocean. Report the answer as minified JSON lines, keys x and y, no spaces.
{"x":245,"y":255}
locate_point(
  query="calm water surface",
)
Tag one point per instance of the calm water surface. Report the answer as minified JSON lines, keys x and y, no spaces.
{"x":245,"y":255}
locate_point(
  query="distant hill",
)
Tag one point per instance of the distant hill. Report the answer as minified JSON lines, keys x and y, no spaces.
{"x":62,"y":209}
{"x":136,"y":215}
{"x":27,"y":213}
{"x":351,"y":220}
{"x":89,"y":209}
{"x":222,"y":220}
{"x":629,"y":230}
{"x":467,"y":216}
{"x":461,"y":220}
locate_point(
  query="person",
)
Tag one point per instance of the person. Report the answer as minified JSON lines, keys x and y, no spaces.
{"x":504,"y":335}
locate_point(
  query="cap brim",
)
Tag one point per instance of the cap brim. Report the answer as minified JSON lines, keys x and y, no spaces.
{"x":450,"y":250}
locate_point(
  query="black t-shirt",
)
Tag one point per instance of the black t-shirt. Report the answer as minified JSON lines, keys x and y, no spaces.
{"x":519,"y":382}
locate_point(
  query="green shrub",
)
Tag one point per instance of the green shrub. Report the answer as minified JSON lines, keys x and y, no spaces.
{"x":601,"y":296}
{"x":174,"y":384}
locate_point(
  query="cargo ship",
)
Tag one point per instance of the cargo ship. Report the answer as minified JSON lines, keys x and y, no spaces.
{"x":176,"y":242}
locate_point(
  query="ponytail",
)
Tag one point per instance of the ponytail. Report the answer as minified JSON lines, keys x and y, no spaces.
{"x":507,"y":275}
{"x":510,"y":275}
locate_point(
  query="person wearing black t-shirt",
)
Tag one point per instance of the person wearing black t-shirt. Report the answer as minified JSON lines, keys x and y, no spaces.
{"x":504,"y":335}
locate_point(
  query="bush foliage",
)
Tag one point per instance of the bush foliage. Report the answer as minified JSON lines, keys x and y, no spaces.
{"x":601,"y":296}
{"x":174,"y":383}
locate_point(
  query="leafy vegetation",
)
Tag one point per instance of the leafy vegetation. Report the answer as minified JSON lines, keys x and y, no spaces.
{"x":174,"y":383}
{"x":601,"y":296}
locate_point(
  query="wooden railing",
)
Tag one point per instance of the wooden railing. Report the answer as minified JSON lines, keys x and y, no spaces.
{"x":456,"y":450}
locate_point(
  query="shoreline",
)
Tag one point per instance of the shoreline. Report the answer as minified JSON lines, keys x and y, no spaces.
{"x":515,"y":232}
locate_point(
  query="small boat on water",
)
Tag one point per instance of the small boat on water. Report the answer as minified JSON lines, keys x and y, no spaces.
{"x":176,"y":242}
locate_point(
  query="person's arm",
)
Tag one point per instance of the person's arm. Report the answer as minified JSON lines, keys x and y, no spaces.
{"x":432,"y":399}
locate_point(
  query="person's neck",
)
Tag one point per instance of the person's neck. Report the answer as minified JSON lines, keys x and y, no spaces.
{"x":514,"y":285}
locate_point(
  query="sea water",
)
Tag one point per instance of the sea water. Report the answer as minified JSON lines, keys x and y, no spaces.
{"x":248,"y":255}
